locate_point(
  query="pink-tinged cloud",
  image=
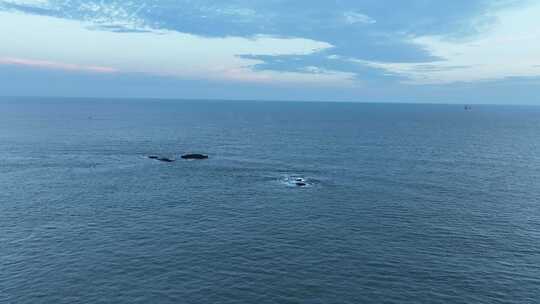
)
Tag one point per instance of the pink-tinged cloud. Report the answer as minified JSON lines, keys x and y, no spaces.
{"x":44,"y":64}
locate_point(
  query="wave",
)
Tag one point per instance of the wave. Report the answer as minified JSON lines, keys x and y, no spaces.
{"x":297,"y":180}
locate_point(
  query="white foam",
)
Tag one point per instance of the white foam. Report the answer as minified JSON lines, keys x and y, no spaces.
{"x":294,"y":180}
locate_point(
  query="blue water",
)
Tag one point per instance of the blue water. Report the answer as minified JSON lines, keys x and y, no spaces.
{"x":404,"y":203}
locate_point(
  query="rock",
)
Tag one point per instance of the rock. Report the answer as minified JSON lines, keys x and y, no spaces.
{"x":166,"y":159}
{"x":162,"y":158}
{"x":194,"y":156}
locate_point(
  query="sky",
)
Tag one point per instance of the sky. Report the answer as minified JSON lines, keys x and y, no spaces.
{"x":459,"y":51}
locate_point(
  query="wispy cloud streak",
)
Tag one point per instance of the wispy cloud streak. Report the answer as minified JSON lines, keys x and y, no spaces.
{"x":45,"y":64}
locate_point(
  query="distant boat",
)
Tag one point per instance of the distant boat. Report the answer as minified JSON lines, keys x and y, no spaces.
{"x":468,"y":108}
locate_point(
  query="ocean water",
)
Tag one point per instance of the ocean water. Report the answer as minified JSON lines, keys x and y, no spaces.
{"x":404,"y":203}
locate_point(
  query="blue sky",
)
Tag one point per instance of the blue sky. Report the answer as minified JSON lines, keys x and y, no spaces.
{"x":460,"y":51}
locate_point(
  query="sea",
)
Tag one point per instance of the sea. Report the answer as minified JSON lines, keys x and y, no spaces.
{"x":403,"y":203}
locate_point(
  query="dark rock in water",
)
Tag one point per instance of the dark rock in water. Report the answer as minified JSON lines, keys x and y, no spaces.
{"x":301,"y":184}
{"x":194,"y":156}
{"x":166,"y":159}
{"x":162,"y":158}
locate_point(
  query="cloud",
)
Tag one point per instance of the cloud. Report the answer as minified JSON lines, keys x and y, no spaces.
{"x":339,"y":23}
{"x":355,"y":18}
{"x":32,"y":3}
{"x":55,"y":65}
{"x":50,"y":41}
{"x":232,"y":11}
{"x":333,"y":43}
{"x":114,"y":15}
{"x":111,"y":15}
{"x":509,"y":48}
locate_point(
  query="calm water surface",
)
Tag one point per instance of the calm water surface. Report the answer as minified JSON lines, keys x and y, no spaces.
{"x":405,"y":203}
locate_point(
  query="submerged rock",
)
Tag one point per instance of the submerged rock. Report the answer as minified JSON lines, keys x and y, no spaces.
{"x":297,"y":181}
{"x":300,"y":182}
{"x":194,"y":156}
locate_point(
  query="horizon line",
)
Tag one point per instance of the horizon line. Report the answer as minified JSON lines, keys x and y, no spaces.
{"x":184,"y":99}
